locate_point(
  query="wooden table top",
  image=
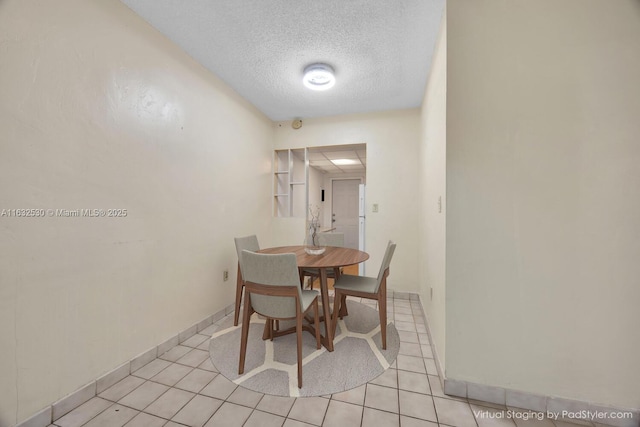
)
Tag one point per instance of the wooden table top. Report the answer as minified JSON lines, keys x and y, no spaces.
{"x":332,"y":257}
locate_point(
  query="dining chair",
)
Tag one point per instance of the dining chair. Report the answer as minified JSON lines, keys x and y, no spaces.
{"x":365,"y":287}
{"x":330,"y":239}
{"x":272,"y":289}
{"x":249,"y":243}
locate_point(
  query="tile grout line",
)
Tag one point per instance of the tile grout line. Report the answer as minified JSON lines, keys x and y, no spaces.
{"x":407,"y":303}
{"x":207,"y":320}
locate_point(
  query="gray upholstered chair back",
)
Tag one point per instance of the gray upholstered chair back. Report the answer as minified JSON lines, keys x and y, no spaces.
{"x":386,"y":261}
{"x":333,"y":239}
{"x":274,"y":270}
{"x":249,"y":243}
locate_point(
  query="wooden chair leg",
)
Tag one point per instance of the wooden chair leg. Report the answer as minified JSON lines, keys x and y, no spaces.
{"x":299,"y":339}
{"x":239,"y":286}
{"x":343,"y":306}
{"x":336,"y":308}
{"x":245,"y":332}
{"x":316,"y":321}
{"x":269,"y":325}
{"x":382,"y":306}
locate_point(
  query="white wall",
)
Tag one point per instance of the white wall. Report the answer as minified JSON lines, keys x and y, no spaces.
{"x":543,"y":237}
{"x":432,"y":188}
{"x":392,"y":172}
{"x":99,"y":111}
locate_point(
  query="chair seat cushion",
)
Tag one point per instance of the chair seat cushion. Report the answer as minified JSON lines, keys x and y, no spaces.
{"x":356,"y":283}
{"x":308,"y":297}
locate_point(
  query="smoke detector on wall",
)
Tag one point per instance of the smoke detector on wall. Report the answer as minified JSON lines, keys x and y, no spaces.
{"x":296,"y":124}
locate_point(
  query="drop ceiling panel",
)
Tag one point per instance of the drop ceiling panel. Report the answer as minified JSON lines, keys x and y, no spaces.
{"x":351,"y":167}
{"x":332,"y":155}
{"x":316,"y":156}
{"x":321,"y":162}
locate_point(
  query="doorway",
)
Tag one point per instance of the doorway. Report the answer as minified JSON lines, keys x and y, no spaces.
{"x":345,"y":209}
{"x":328,"y":165}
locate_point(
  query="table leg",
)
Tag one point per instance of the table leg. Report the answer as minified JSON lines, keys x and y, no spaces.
{"x":324,"y":291}
{"x":343,"y":305}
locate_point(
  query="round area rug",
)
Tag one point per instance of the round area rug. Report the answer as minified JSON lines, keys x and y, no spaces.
{"x":271,"y":366}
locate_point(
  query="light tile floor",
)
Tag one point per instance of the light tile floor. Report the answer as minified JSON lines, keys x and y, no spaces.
{"x":183,"y":388}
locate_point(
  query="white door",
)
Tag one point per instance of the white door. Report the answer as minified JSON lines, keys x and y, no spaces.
{"x":345,"y":205}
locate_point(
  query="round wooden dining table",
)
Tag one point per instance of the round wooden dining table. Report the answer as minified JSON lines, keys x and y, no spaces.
{"x":333,"y":257}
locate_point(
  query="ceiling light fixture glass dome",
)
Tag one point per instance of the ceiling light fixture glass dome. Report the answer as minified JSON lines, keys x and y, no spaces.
{"x":319,"y":77}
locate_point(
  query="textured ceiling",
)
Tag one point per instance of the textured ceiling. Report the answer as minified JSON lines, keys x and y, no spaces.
{"x":380,"y":49}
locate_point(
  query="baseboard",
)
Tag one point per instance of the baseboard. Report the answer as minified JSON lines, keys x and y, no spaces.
{"x":58,"y":409}
{"x":540,"y":406}
{"x":434,"y":348}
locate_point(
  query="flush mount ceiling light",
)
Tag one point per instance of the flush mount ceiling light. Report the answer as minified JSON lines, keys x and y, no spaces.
{"x":344,"y":162}
{"x":319,"y":77}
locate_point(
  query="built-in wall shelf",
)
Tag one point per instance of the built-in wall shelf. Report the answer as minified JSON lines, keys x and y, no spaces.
{"x":290,"y":176}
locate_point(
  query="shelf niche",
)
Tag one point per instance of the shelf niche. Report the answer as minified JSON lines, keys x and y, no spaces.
{"x":290,"y":176}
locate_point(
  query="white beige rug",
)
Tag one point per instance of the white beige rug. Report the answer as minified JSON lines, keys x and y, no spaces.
{"x":271,"y":367}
